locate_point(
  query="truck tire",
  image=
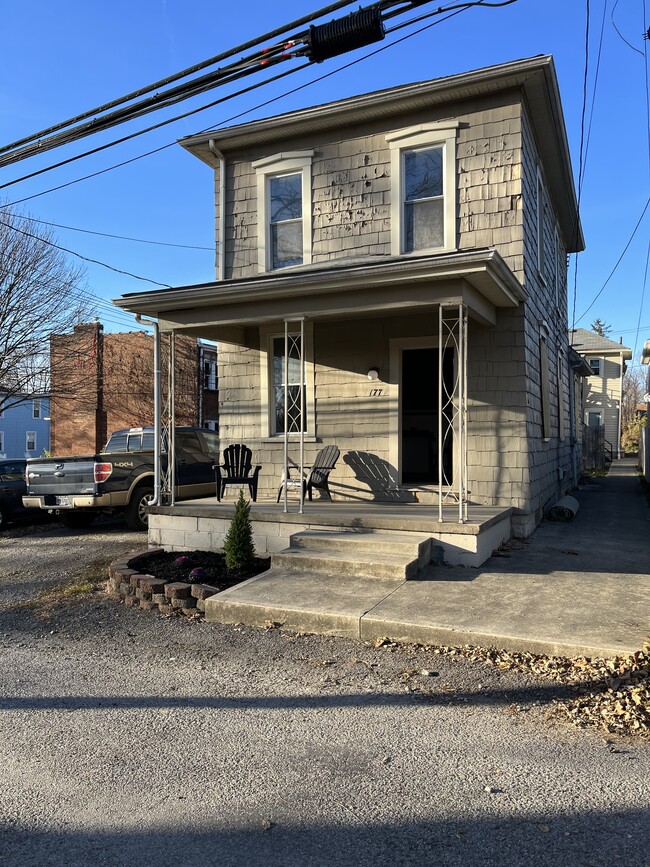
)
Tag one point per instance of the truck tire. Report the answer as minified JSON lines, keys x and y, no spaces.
{"x":77,"y":520}
{"x":135,"y":513}
{"x":4,"y":518}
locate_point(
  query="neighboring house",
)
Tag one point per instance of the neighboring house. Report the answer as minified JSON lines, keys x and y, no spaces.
{"x":644,"y":439}
{"x":604,"y":387}
{"x":104,"y":382}
{"x":392,"y":279}
{"x":25,"y":427}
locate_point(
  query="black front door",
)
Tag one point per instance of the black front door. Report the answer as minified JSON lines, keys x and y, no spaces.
{"x":420,"y":388}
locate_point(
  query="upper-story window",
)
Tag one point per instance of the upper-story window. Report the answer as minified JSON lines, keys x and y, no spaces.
{"x":595,"y":365}
{"x":284,"y":208}
{"x":36,"y":409}
{"x":541,"y":215}
{"x":210,"y":375}
{"x":423,"y":194}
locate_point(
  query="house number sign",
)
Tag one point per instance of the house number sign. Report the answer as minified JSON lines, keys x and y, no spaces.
{"x":376,"y":392}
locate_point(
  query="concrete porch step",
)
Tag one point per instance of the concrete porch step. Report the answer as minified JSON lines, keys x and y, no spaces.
{"x":375,"y":554}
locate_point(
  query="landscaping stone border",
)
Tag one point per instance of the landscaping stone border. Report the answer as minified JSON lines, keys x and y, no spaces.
{"x":141,"y":590}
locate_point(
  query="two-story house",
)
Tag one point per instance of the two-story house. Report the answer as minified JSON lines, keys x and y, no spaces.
{"x":25,"y":426}
{"x":392,"y":279}
{"x":604,"y":386}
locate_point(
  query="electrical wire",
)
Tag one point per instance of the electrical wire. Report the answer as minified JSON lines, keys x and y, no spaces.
{"x":84,"y":258}
{"x":283,"y":95}
{"x":629,"y":44}
{"x":618,"y":262}
{"x":272,"y":34}
{"x":111,"y":235}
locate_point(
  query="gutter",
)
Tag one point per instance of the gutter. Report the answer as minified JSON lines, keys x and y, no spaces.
{"x":221,"y":211}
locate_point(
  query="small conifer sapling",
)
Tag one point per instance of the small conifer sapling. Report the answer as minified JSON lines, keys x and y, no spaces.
{"x":238,"y":545}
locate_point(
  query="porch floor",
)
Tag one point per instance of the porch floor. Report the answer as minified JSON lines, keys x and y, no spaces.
{"x":371,"y":515}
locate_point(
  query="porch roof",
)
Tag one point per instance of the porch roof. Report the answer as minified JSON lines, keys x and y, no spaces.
{"x":480,"y":279}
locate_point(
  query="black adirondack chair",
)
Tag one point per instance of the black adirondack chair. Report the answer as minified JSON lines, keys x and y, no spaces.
{"x":236,"y":469}
{"x":318,"y":474}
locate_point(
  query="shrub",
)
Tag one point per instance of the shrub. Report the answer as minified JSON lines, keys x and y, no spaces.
{"x":238,"y":545}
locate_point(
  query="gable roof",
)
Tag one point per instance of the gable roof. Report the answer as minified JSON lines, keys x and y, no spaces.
{"x":535,"y":77}
{"x":588,"y":342}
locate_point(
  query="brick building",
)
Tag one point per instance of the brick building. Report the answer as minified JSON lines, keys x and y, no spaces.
{"x":103,"y":382}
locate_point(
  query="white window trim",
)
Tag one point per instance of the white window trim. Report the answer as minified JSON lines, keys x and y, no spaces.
{"x":597,"y":412}
{"x":441,"y":133}
{"x":267,"y":334}
{"x":290,"y":162}
{"x":28,"y":434}
{"x":598,"y":373}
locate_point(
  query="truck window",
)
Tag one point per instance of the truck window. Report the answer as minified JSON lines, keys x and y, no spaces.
{"x":147,"y":442}
{"x":116,"y":443}
{"x":188,"y":441}
{"x":134,"y":443}
{"x":211,"y":441}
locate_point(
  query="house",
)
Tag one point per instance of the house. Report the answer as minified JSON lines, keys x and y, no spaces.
{"x":25,"y":426}
{"x":103,"y":382}
{"x":604,"y":386}
{"x":644,"y":438}
{"x":391,"y":278}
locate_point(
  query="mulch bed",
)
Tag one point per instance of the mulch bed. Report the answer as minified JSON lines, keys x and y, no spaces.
{"x":197,"y":567}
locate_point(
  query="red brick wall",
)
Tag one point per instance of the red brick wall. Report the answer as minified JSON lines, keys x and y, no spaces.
{"x":104,"y":382}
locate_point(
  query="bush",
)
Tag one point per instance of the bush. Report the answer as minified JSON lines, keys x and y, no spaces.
{"x":238,"y":545}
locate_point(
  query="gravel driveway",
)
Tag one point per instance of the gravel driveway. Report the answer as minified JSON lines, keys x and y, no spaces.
{"x":130,"y":738}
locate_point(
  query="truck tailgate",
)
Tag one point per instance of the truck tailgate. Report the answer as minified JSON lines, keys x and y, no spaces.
{"x":61,"y":477}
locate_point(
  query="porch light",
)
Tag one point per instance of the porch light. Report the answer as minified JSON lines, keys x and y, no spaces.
{"x":373,"y":374}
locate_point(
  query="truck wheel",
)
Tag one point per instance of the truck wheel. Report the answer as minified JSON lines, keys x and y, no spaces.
{"x":4,"y":518}
{"x":135,"y":513}
{"x":77,"y":520}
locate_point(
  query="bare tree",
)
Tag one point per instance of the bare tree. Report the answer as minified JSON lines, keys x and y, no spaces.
{"x":40,"y":294}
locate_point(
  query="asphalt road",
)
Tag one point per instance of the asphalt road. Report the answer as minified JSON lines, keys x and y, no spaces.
{"x":128,"y":738}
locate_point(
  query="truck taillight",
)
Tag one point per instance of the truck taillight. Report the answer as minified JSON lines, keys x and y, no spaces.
{"x":102,"y":471}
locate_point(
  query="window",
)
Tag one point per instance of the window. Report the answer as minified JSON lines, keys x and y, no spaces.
{"x":545,"y":389}
{"x":210,"y":375}
{"x":594,"y":418}
{"x":30,"y":441}
{"x":36,"y":409}
{"x":594,"y":364}
{"x":2,"y":441}
{"x":272,"y":382}
{"x":423,"y":196}
{"x":211,"y":424}
{"x":284,"y":206}
{"x":288,"y":395}
{"x":541,"y":211}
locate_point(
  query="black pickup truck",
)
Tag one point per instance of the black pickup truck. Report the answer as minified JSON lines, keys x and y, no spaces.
{"x":121,"y":477}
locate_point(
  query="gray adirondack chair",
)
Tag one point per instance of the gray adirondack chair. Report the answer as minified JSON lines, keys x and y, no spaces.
{"x":318,"y":474}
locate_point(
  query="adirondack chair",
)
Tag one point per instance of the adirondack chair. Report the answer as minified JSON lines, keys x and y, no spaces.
{"x":236,"y":470}
{"x":318,"y":474}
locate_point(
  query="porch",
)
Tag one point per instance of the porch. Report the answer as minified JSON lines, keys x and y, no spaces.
{"x":202,"y":524}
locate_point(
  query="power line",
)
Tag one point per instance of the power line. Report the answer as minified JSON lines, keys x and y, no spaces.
{"x":239,"y":115}
{"x":110,"y":235}
{"x":618,"y":262}
{"x":84,"y":258}
{"x":279,"y":31}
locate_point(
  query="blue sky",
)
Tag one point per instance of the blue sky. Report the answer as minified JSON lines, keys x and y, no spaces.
{"x":61,"y":59}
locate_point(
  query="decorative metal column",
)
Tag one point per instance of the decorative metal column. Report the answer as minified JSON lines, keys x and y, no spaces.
{"x":452,"y":411}
{"x":167,"y":424}
{"x":294,"y":405}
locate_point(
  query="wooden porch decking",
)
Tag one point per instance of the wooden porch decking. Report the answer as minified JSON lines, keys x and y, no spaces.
{"x":202,"y":524}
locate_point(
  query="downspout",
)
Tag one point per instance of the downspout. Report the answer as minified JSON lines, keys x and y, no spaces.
{"x":620,"y":407}
{"x":221,"y":211}
{"x":156,"y":406}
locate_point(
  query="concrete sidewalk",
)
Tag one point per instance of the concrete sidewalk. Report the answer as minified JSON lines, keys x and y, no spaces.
{"x":577,"y":588}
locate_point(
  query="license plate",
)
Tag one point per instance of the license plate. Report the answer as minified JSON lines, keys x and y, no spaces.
{"x":62,"y":501}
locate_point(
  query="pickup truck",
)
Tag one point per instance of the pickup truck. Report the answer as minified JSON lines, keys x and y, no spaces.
{"x":121,"y":477}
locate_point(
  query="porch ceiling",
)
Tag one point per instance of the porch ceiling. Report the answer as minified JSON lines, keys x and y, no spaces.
{"x":480,"y":279}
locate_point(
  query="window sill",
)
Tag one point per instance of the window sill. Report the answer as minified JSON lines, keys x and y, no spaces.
{"x":293,"y":438}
